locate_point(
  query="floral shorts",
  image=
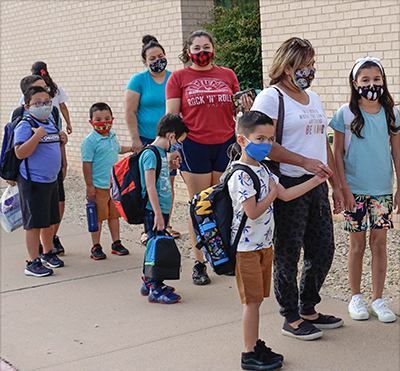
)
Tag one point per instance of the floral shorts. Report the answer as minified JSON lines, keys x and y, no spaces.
{"x":378,"y":208}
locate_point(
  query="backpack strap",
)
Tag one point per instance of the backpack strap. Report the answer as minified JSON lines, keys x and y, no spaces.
{"x":34,"y":124}
{"x":257,"y":186}
{"x":56,"y":116}
{"x":348,"y":118}
{"x":158,"y":166}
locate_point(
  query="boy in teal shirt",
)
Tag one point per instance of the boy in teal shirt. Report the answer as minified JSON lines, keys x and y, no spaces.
{"x":171,"y":132}
{"x":100,"y":151}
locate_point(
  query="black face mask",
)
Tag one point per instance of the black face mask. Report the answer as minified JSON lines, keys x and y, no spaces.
{"x":371,"y":92}
{"x":159,"y":65}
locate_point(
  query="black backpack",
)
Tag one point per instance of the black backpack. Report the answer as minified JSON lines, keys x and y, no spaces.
{"x":9,"y":163}
{"x":212,"y":213}
{"x":126,"y":189}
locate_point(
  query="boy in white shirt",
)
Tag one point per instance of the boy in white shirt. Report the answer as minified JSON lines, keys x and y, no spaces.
{"x":255,"y":133}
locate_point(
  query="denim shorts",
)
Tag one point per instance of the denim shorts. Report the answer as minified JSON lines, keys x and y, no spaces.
{"x":377,"y":208}
{"x":200,"y":158}
{"x":149,"y":222}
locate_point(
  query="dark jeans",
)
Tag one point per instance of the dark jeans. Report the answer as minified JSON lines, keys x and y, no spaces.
{"x":303,"y":222}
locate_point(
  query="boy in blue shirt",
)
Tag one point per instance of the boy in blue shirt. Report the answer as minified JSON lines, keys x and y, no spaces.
{"x":255,"y":133}
{"x":100,"y":151}
{"x":40,"y":150}
{"x":171,"y":132}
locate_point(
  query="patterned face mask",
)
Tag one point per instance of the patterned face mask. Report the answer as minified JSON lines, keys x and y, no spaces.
{"x":159,"y":65}
{"x":371,"y":92}
{"x":202,"y":58}
{"x":303,"y":78}
{"x":102,"y":127}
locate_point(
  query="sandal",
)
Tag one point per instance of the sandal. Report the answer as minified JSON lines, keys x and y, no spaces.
{"x":172,"y":232}
{"x":143,"y":238}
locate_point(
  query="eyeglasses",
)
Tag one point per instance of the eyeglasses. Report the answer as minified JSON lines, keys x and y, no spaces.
{"x":304,"y":43}
{"x":41,"y":104}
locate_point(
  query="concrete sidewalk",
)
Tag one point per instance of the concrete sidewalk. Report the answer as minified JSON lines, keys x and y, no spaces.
{"x":90,"y":316}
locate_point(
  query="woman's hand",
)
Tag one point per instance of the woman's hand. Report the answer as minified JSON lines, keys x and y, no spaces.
{"x":158,"y":222}
{"x":63,"y":138}
{"x":246,"y":102}
{"x":136,"y":145}
{"x":349,"y":201}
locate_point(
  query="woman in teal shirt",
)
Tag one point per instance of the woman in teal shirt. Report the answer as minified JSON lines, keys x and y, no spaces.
{"x":145,"y":101}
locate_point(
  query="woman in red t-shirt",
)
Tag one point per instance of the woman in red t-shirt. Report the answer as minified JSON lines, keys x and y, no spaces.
{"x":202,"y":93}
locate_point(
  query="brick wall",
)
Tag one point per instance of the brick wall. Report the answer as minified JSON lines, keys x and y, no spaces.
{"x":341,"y":31}
{"x":91,"y":48}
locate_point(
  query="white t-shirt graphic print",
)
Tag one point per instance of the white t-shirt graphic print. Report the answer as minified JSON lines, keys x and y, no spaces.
{"x":304,"y":126}
{"x":257,"y":234}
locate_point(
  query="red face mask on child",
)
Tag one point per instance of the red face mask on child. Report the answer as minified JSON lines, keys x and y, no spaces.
{"x":102,"y":127}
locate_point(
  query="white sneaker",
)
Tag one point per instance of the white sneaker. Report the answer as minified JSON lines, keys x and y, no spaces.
{"x":379,"y":309}
{"x":357,"y":308}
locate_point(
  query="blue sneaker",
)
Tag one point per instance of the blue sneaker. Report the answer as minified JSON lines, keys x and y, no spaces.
{"x":36,"y":268}
{"x":162,"y":296}
{"x":52,"y":260}
{"x":145,"y":289}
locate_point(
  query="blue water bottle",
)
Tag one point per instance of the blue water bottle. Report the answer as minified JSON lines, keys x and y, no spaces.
{"x":91,"y":214}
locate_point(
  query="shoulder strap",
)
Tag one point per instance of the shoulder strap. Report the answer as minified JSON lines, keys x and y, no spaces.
{"x":257,"y":186}
{"x":281,"y":115}
{"x":158,"y":157}
{"x":56,"y":115}
{"x":348,"y":118}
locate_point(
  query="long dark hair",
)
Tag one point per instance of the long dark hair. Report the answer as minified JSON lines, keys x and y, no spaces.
{"x":184,"y":56}
{"x":40,"y":68}
{"x":148,"y":42}
{"x":385,"y":100}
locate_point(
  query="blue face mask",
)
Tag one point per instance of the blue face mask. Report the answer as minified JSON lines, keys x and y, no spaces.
{"x":258,"y":151}
{"x":174,"y":147}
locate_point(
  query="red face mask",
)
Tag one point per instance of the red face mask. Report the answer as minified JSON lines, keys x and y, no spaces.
{"x":202,"y":58}
{"x":102,"y":127}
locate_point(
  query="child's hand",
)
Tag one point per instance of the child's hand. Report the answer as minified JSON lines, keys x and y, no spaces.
{"x":158,"y":222}
{"x":90,"y":192}
{"x":349,"y":201}
{"x":174,"y":160}
{"x":40,"y":131}
{"x":63,"y":138}
{"x":273,"y":189}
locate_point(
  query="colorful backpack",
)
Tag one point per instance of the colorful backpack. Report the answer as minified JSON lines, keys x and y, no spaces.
{"x":211,"y":213}
{"x":126,"y":189}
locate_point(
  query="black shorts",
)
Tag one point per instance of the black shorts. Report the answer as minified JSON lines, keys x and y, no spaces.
{"x":60,"y":180}
{"x":39,"y":203}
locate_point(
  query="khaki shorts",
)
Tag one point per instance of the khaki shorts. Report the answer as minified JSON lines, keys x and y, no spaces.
{"x":253,"y":274}
{"x":104,"y":206}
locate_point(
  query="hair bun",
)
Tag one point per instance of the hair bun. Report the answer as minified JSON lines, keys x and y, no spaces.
{"x":147,"y":38}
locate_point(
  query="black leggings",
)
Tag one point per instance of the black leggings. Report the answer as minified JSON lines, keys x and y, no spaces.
{"x":303,"y":222}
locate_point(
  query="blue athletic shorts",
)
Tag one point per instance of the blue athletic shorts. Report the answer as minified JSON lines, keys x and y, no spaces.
{"x":200,"y":158}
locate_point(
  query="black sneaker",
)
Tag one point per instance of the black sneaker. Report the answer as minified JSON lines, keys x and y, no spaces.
{"x":325,"y":322}
{"x":51,"y":260}
{"x":97,"y":252}
{"x":58,"y":249}
{"x":117,"y":248}
{"x":199,"y":275}
{"x":305,"y":331}
{"x":261,"y":345}
{"x":36,"y":268}
{"x":259,"y":360}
